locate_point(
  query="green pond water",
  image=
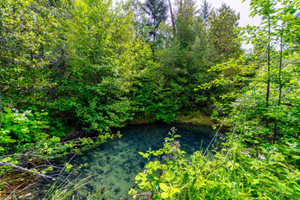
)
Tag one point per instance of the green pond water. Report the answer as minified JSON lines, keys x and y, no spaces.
{"x":113,"y":166}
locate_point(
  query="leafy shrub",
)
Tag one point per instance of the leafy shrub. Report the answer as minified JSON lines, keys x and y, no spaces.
{"x":235,"y":172}
{"x":21,"y":130}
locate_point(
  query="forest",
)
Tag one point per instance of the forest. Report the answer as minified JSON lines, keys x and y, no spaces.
{"x":73,"y":72}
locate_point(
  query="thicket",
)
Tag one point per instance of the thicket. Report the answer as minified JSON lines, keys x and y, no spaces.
{"x":259,"y":91}
{"x":71,"y":71}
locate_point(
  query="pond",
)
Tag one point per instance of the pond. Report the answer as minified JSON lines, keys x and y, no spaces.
{"x":113,"y":166}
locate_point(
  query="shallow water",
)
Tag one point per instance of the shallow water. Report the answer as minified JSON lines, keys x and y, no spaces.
{"x":115,"y":164}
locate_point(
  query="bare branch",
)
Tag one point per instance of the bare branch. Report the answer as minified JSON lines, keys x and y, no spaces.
{"x":26,"y":170}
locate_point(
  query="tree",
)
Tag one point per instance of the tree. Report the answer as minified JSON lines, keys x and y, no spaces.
{"x":104,"y":57}
{"x":157,"y":13}
{"x":279,"y":28}
{"x":205,"y":10}
{"x":184,"y":21}
{"x":25,"y":40}
{"x":222,"y":34}
{"x":185,"y":59}
{"x":263,"y":84}
{"x":139,"y":19}
{"x":172,"y":17}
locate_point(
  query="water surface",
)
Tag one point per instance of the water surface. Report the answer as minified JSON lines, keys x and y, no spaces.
{"x":113,"y":166}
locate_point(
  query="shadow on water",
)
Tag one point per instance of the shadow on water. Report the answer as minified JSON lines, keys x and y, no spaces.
{"x":115,"y":164}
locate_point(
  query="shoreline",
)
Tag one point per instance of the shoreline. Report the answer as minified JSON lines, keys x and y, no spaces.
{"x":194,"y":119}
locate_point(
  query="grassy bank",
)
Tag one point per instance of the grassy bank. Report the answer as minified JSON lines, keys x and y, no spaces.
{"x":194,"y":118}
{"x":197,"y":118}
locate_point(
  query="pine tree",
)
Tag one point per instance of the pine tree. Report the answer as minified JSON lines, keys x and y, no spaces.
{"x":157,"y":13}
{"x":205,"y":10}
{"x":184,"y":22}
{"x":222,"y":34}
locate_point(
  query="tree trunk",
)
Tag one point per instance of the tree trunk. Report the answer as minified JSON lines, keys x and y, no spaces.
{"x":280,"y":67}
{"x":172,"y":18}
{"x":269,"y":63}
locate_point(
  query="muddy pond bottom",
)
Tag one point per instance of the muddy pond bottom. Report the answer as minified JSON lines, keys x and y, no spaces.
{"x":111,"y":168}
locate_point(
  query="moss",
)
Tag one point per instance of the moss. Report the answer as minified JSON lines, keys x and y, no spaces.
{"x":195,"y":118}
{"x":191,"y":117}
{"x":139,"y":121}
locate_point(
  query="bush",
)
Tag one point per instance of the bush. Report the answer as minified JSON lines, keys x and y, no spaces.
{"x":236,"y":172}
{"x":21,"y":130}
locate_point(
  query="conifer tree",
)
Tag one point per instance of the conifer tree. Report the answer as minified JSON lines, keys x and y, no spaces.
{"x":222,"y":34}
{"x":205,"y":10}
{"x":184,"y":22}
{"x":157,"y":13}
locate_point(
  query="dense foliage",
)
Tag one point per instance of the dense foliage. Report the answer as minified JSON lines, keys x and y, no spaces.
{"x":72,"y":71}
{"x":259,"y":94}
{"x":236,"y":172}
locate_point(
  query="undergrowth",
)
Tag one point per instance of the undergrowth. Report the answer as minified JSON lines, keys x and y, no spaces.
{"x":235,"y":172}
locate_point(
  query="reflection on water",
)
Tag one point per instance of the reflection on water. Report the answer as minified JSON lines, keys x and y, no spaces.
{"x":115,"y":164}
